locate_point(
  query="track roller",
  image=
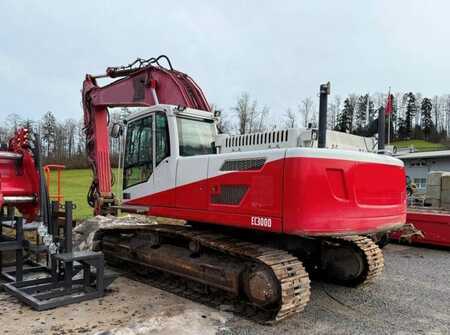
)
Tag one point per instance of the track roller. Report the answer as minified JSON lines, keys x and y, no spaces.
{"x":272,"y":280}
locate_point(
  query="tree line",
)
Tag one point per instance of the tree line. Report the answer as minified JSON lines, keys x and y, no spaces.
{"x":62,"y":141}
{"x":413,"y":117}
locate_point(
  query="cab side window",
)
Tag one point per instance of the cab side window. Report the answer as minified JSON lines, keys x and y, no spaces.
{"x":162,"y":138}
{"x":138,"y":165}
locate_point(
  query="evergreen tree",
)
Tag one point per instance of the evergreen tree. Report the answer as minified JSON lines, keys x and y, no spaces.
{"x":411,"y":109}
{"x":426,"y":118}
{"x":339,"y":124}
{"x":364,"y":115}
{"x":361,"y":114}
{"x":48,"y":128}
{"x":402,"y":131}
{"x":345,"y":118}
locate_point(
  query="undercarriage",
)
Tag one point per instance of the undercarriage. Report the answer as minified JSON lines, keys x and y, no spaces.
{"x":271,"y":277}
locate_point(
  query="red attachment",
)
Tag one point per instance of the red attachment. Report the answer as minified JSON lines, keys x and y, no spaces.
{"x":434,"y":225}
{"x":19,"y":179}
{"x":171,"y":87}
{"x":47,"y":170}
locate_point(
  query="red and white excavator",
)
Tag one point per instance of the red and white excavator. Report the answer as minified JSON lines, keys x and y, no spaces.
{"x":260,"y":208}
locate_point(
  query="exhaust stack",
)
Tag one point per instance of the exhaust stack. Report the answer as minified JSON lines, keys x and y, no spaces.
{"x":323,"y":111}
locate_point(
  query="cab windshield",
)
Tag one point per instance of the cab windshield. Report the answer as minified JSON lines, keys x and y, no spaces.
{"x":196,"y":136}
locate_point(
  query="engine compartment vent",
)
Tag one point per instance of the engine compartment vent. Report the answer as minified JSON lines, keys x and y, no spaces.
{"x":229,"y":194}
{"x":243,"y":164}
{"x":270,"y":137}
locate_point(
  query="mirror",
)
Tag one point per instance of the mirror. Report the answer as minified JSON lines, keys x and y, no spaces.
{"x":116,"y":130}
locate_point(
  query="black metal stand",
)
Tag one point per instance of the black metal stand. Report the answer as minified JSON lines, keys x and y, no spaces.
{"x":8,"y":243}
{"x":22,"y":266}
{"x":72,"y":277}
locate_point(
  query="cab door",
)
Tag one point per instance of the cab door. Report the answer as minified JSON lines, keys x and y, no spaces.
{"x":149,"y":168}
{"x":165,"y":164}
{"x":138,"y":159}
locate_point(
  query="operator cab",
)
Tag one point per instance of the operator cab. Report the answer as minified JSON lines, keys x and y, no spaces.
{"x":157,"y":136}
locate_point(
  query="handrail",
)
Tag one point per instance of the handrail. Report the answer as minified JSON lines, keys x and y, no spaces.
{"x":47,"y":169}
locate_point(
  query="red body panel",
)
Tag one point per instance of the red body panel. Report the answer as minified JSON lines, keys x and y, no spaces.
{"x":435,"y":227}
{"x":18,"y":177}
{"x":325,"y":196}
{"x":298,"y":196}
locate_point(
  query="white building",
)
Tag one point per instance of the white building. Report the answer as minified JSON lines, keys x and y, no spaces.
{"x":419,"y":164}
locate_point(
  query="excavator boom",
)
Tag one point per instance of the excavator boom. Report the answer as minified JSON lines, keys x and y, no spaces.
{"x":146,"y":83}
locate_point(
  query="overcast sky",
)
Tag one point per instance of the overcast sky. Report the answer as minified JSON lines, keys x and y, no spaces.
{"x":278,"y":51}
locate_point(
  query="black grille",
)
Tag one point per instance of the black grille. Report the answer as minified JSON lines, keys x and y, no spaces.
{"x":243,"y":164}
{"x":229,"y":194}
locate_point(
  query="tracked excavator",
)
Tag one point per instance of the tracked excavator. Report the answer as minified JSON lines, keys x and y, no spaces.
{"x":263,"y":211}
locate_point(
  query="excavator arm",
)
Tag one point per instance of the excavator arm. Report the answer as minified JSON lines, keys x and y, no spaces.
{"x":140,"y":84}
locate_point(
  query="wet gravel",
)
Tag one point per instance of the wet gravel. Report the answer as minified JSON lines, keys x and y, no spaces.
{"x":411,"y":297}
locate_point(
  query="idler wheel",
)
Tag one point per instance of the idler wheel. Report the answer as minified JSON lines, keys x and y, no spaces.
{"x":343,"y":265}
{"x":261,"y":286}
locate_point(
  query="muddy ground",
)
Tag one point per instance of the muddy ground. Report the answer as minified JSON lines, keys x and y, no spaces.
{"x":412,"y":297}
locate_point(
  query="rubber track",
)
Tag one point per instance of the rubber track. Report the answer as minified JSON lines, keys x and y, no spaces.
{"x":373,"y":256}
{"x":292,"y":276}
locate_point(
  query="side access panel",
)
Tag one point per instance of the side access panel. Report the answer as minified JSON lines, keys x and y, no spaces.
{"x":245,"y":189}
{"x":191,"y":183}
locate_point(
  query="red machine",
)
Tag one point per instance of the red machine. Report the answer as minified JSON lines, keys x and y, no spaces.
{"x":257,"y":206}
{"x":434,"y":226}
{"x":19,"y":179}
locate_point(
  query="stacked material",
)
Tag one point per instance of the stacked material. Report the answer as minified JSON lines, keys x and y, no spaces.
{"x":445,"y":190}
{"x":433,"y":194}
{"x":438,"y":190}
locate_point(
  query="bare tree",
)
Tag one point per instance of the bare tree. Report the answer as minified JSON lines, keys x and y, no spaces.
{"x":243,"y":111}
{"x":290,"y":119}
{"x":70,"y":126}
{"x":262,"y":116}
{"x":81,"y":138}
{"x":306,"y":109}
{"x":12,"y":122}
{"x":3,"y":134}
{"x":224,"y":125}
{"x":48,"y":126}
{"x":446,"y":112}
{"x":250,"y":119}
{"x":334,"y":108}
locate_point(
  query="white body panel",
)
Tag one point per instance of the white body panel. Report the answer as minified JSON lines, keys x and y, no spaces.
{"x":292,"y":138}
{"x":176,"y":171}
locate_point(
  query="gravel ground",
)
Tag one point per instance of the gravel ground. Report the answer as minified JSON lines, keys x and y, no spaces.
{"x":412,"y":297}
